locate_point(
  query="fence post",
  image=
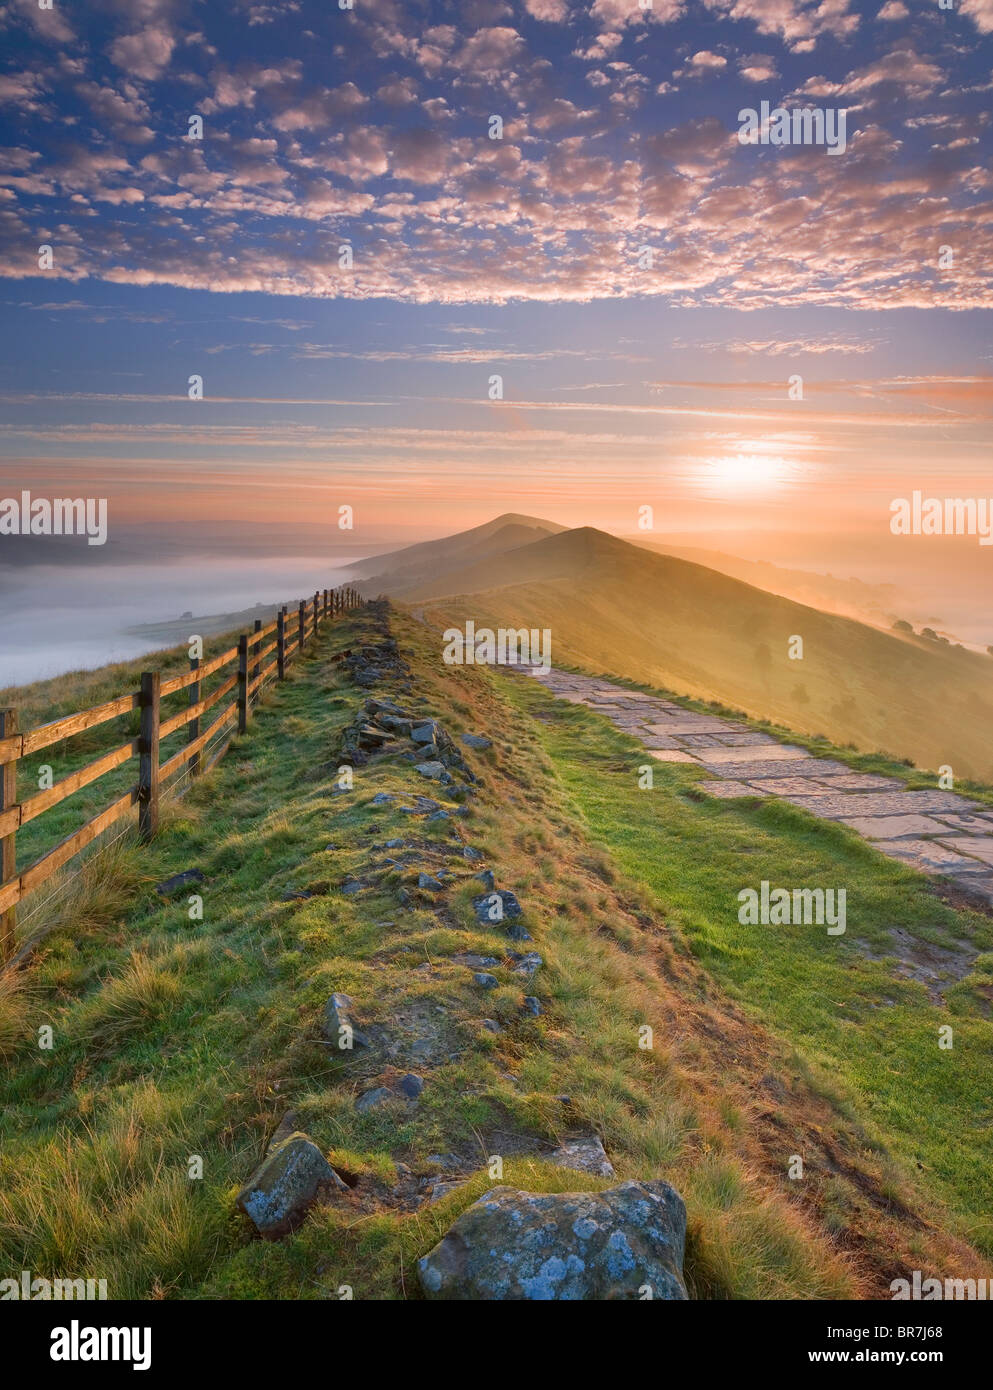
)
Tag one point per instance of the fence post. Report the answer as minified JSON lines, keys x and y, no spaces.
{"x":148,"y":755}
{"x":8,"y":845}
{"x":256,"y":648}
{"x":316,"y":615}
{"x":281,"y":643}
{"x":193,"y":727}
{"x":301,"y":617}
{"x":243,"y":682}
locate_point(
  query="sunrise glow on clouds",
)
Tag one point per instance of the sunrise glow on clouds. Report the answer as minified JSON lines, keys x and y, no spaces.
{"x":521,"y":256}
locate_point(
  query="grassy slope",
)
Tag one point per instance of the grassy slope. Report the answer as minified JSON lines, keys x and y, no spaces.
{"x":175,"y":1038}
{"x":706,"y":635}
{"x":864,"y":1031}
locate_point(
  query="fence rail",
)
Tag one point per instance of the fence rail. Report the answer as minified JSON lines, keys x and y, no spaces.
{"x":291,"y":628}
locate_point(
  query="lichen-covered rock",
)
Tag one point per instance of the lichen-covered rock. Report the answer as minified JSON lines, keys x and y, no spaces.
{"x":292,"y":1176}
{"x":496,"y":907}
{"x":477,"y":741}
{"x":625,"y":1243}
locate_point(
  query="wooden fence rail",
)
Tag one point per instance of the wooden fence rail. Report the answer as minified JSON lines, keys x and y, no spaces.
{"x":257,"y":661}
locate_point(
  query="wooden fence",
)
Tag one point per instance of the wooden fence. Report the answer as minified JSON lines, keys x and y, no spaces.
{"x":289,"y":632}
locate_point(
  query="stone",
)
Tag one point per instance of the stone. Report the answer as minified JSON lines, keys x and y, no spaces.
{"x":491,"y":1025}
{"x":470,"y":853}
{"x":893,"y":827}
{"x":517,"y":932}
{"x":425,"y":732}
{"x":372,"y":1100}
{"x":410,"y":1085}
{"x":493,"y":908}
{"x":980,"y":847}
{"x":479,"y":742}
{"x":294,"y":895}
{"x":485,"y":980}
{"x":563,"y":1246}
{"x":670,"y":755}
{"x":586,"y":1155}
{"x":532,"y":1005}
{"x":433,"y":770}
{"x":429,"y":882}
{"x":382,"y":799}
{"x":487,"y":880}
{"x":291,"y":1177}
{"x":526,"y":965}
{"x":183,"y":880}
{"x":928,"y":856}
{"x":393,"y":844}
{"x":338,"y":1017}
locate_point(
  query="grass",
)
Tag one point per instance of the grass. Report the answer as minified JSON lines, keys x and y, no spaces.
{"x":179,"y":1040}
{"x":868,"y":1035}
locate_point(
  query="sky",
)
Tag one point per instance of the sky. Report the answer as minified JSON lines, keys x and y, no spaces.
{"x":644,"y":284}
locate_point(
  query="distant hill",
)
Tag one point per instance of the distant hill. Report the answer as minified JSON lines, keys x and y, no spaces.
{"x":402,"y":570}
{"x":613,"y":607}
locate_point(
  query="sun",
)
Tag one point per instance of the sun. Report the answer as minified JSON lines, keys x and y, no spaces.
{"x":746,"y":472}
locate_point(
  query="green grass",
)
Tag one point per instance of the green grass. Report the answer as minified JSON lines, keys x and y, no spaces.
{"x":869,"y":1035}
{"x":176,"y":1038}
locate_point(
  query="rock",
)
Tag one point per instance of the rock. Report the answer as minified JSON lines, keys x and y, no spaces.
{"x":474,"y":961}
{"x":532,"y":1005}
{"x":486,"y":879}
{"x":568,"y":1246}
{"x":382,"y":798}
{"x":470,"y":853}
{"x":526,"y":965}
{"x":287,"y":1126}
{"x":586,"y":1155}
{"x":430,"y":882}
{"x":372,"y":1100}
{"x":288,"y":1180}
{"x":393,"y":844}
{"x":442,"y":1189}
{"x":485,"y":980}
{"x":499,"y":906}
{"x":440,"y":815}
{"x":338,"y":1024}
{"x":491,"y":1025}
{"x":478,"y":741}
{"x":425,"y":732}
{"x":434,"y":770}
{"x":350,"y":885}
{"x":183,"y":880}
{"x":518,"y":932}
{"x":410,"y":1085}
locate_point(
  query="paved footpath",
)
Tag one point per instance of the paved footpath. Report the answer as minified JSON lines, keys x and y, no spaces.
{"x":937,"y":832}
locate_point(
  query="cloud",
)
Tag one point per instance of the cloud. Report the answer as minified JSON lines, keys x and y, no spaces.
{"x":144,"y":54}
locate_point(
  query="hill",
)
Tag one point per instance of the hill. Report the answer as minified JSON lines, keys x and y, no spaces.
{"x":400,"y":571}
{"x":615,"y":607}
{"x":206,"y":1036}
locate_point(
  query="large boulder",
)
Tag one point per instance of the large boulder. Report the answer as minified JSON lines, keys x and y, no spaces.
{"x":627,"y":1242}
{"x":292,"y":1176}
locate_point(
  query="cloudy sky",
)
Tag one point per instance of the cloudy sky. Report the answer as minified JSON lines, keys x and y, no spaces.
{"x":644,"y":284}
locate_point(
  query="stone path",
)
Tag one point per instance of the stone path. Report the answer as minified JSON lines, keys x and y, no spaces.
{"x":937,"y":832}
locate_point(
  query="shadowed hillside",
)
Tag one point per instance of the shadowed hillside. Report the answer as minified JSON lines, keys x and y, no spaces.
{"x":614,"y":607}
{"x":415,"y":565}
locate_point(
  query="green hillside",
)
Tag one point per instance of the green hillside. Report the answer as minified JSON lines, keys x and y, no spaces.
{"x":615,"y":608}
{"x":178,"y":1039}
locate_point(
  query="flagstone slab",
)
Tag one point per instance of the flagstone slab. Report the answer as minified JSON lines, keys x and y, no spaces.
{"x":694,"y":724}
{"x":774,"y":752}
{"x":815,"y":768}
{"x":727,"y":791}
{"x":861,"y":781}
{"x":978,"y":887}
{"x":881,"y":803}
{"x":893,"y":827}
{"x":743,"y":740}
{"x":981,"y":824}
{"x":670,"y":755}
{"x":980,"y":847}
{"x":789,"y":786}
{"x":929,"y":857}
